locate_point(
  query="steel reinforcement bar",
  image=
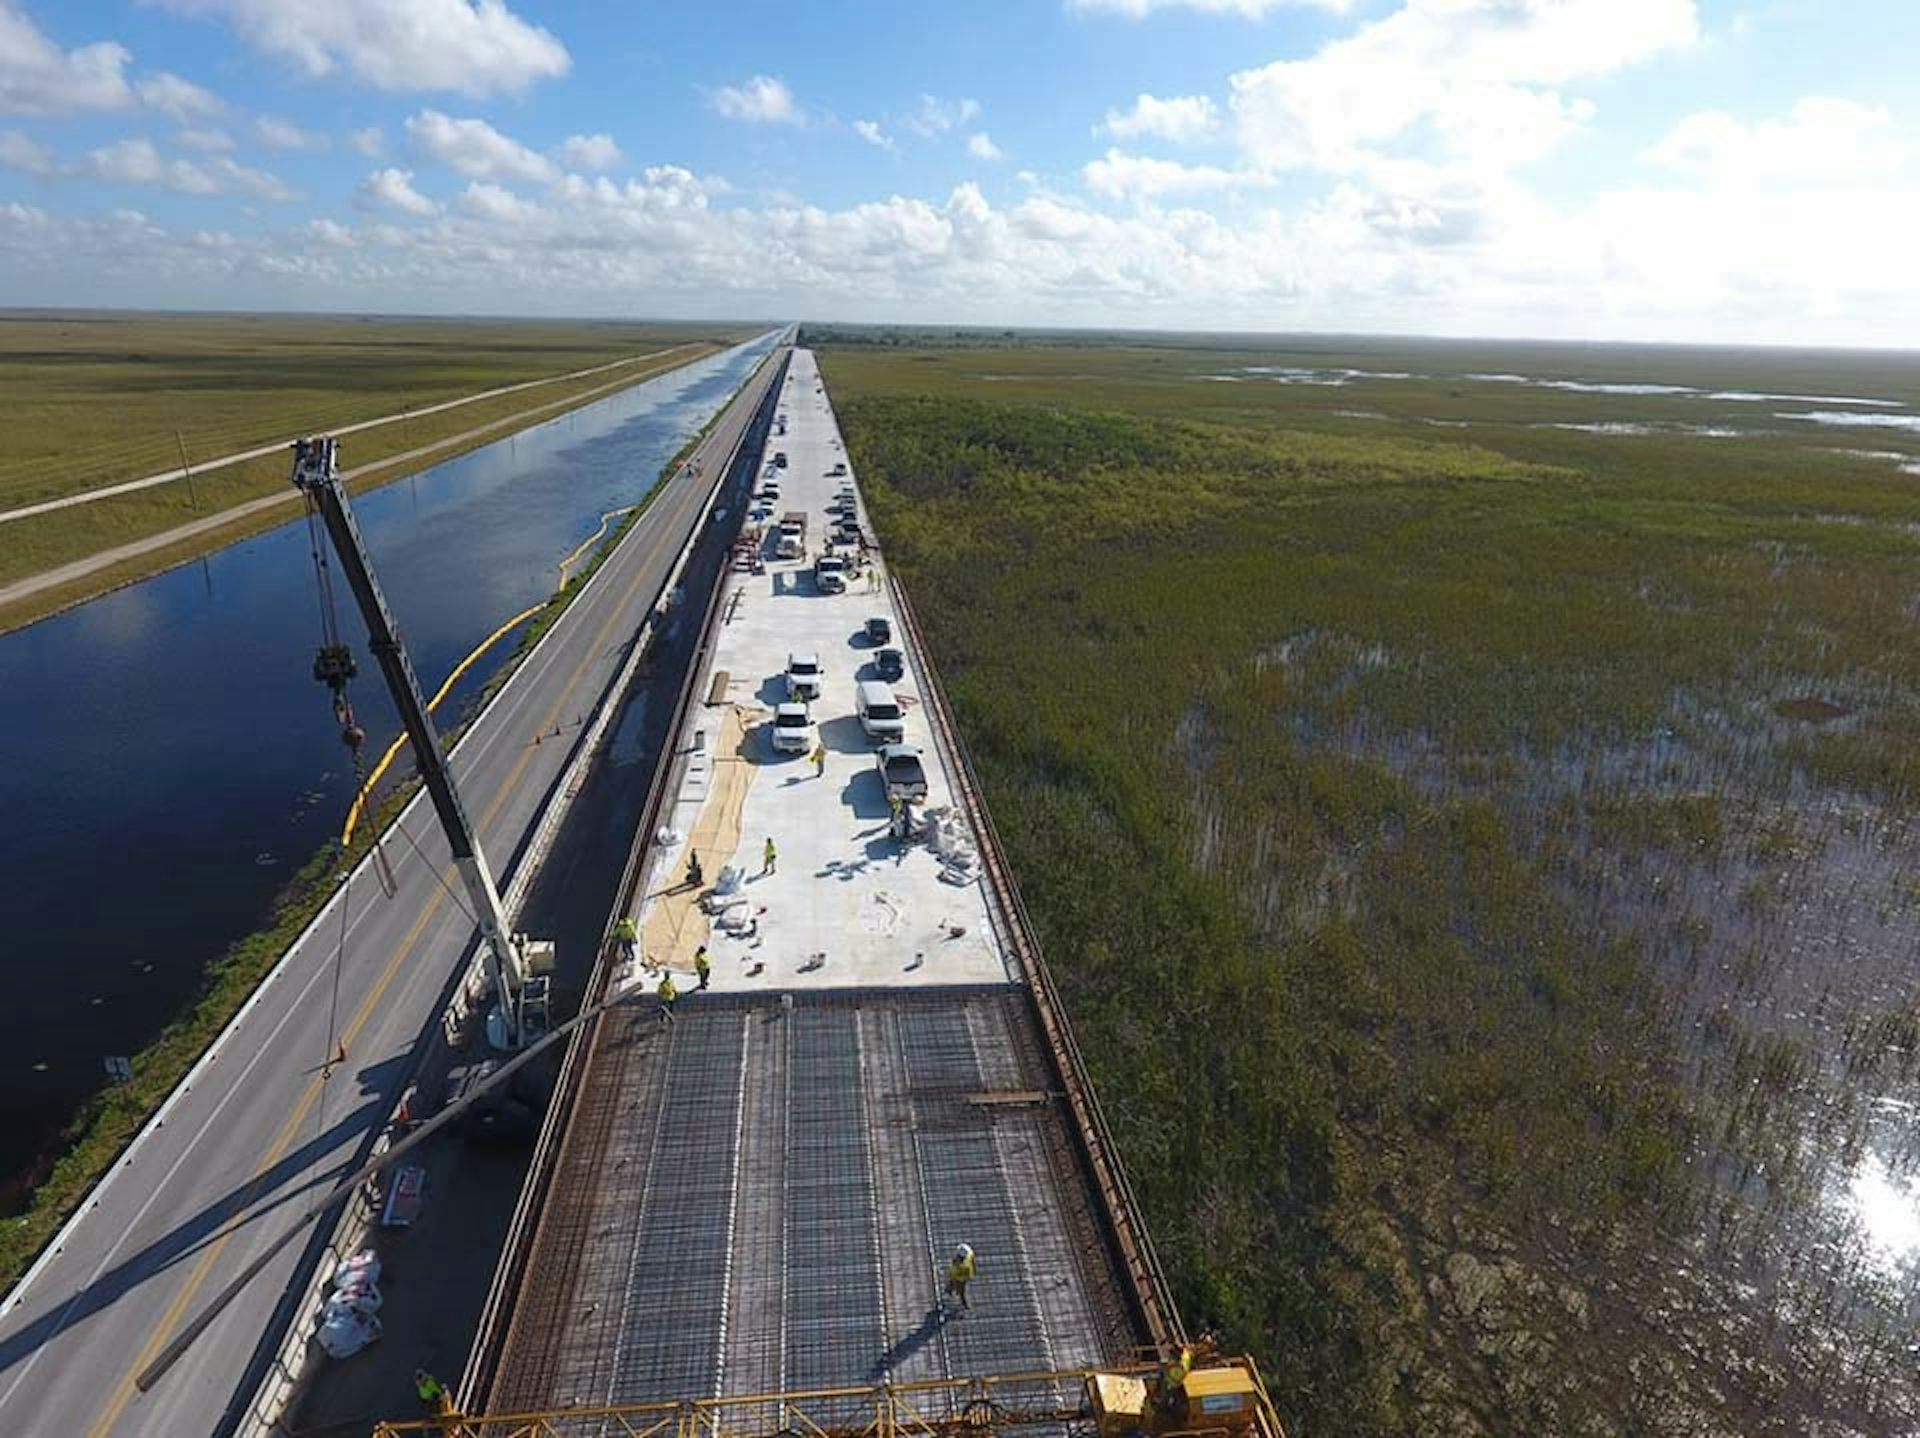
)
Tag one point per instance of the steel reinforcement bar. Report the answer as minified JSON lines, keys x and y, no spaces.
{"x":1041,"y":1405}
{"x":1158,"y":1313}
{"x":497,"y":1317}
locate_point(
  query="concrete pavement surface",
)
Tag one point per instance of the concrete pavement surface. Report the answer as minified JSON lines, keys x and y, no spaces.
{"x":260,"y":1121}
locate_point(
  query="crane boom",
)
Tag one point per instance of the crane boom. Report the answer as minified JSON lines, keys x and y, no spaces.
{"x":316,"y":475}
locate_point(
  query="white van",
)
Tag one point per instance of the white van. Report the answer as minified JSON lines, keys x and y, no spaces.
{"x":879,"y":711}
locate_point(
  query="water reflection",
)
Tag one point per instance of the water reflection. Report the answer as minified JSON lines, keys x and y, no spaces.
{"x":1885,"y":1208}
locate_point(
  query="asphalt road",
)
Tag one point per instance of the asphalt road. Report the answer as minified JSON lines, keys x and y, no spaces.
{"x":256,"y":1124}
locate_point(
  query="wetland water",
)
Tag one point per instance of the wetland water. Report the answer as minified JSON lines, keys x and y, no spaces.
{"x":172,"y":763}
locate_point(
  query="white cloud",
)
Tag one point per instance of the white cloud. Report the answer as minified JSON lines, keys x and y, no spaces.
{"x":181,"y":99}
{"x":762,"y":100}
{"x":497,"y":204}
{"x":18,"y":152}
{"x":137,"y":162}
{"x":590,"y":152}
{"x":471,"y":47}
{"x":258,"y":183}
{"x":393,"y":189}
{"x":1402,"y":248}
{"x":476,"y":149}
{"x":278,"y":134}
{"x":935,"y":117}
{"x":1183,"y":119}
{"x":870,"y":131}
{"x":1141,"y":177}
{"x":1475,"y":73}
{"x":37,"y":77}
{"x":331,"y":232}
{"x":980,"y":145}
{"x":1249,"y":9}
{"x":1822,"y":141}
{"x":210,"y":139}
{"x":369,"y":142}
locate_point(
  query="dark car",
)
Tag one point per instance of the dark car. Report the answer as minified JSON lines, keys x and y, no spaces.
{"x":890,"y":664}
{"x":880,"y":629}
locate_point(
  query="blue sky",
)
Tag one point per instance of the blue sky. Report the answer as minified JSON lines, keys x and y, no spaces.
{"x":1731,"y":170}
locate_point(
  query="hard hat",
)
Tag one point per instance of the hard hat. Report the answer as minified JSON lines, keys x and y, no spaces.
{"x":962,"y":1254}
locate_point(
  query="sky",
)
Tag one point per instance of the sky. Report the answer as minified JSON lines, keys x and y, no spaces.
{"x":1727,"y":171}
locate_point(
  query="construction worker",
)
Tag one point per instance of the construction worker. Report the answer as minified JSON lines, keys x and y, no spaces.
{"x":819,"y":760}
{"x":769,"y":856}
{"x":434,"y":1397}
{"x":695,"y":875}
{"x":960,"y":1273}
{"x":702,"y":965}
{"x":1172,"y":1396}
{"x":626,"y":934}
{"x":668,"y":994}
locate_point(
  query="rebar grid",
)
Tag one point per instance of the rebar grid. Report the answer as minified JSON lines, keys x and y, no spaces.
{"x":966,"y":1197}
{"x":775,"y":1193}
{"x":834,"y":1325}
{"x":676,"y":1272}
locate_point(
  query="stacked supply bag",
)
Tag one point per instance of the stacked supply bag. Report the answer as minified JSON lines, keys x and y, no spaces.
{"x":351,"y":1319}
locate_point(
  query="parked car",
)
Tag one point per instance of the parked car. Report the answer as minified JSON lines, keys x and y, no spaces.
{"x":901,"y":772}
{"x":890,"y":665}
{"x":879,"y":712}
{"x":830,"y":574}
{"x":803,"y":676}
{"x":792,"y":729}
{"x":880,"y":629}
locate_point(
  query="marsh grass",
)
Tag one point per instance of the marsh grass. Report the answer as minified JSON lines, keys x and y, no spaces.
{"x":1436,"y":881}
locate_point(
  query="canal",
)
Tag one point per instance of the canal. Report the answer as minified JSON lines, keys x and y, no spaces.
{"x":171,"y":762}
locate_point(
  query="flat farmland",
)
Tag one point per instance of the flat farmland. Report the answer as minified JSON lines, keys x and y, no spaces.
{"x":98,"y":399}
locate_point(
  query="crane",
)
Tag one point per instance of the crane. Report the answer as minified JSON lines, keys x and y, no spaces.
{"x":517,"y":967}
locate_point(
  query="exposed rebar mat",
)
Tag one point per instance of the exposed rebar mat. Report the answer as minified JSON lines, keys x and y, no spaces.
{"x":758,"y":1198}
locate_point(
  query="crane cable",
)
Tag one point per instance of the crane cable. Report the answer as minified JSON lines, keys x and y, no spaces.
{"x":334,"y":666}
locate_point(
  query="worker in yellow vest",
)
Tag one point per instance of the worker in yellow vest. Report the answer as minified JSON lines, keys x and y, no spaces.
{"x":960,"y":1273}
{"x":626,"y":934}
{"x":702,"y":965}
{"x":434,"y":1397}
{"x":668,"y":994}
{"x":1173,"y":1380}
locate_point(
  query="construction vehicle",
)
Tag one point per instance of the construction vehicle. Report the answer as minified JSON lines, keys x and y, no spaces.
{"x":793,"y":534}
{"x":518,"y":968}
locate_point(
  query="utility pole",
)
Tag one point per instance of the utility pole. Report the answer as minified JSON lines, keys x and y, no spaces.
{"x":511,"y":958}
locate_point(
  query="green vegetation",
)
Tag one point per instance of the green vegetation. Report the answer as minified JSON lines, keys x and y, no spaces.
{"x":1384,"y":806}
{"x":95,"y":399}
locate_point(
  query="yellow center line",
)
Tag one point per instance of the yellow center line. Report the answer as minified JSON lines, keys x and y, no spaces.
{"x":163,"y":1331}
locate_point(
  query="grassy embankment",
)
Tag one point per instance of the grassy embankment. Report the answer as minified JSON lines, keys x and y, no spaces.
{"x":96,"y":399}
{"x":1299,"y":728}
{"x":112,"y":1118}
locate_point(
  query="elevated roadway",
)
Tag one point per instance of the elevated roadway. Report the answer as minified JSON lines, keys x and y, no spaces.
{"x":261,"y":1119}
{"x":760,"y":1193}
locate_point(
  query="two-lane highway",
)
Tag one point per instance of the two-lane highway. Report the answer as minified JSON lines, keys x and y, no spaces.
{"x":260,"y":1119}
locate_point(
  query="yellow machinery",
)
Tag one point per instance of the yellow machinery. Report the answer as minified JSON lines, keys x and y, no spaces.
{"x":1220,"y":1398}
